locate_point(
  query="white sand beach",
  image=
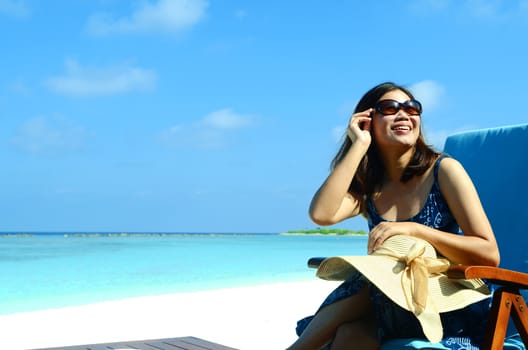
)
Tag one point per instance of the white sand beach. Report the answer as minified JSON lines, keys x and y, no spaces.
{"x":248,"y":318}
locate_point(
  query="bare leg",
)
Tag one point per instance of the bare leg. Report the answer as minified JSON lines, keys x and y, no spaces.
{"x":323,"y":326}
{"x":357,"y":335}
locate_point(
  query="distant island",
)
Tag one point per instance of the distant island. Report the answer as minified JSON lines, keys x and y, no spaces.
{"x":326,"y":231}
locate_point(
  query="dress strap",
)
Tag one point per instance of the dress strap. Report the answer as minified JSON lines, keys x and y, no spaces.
{"x":436,"y":166}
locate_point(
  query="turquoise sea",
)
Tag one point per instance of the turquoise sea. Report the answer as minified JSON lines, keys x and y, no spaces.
{"x":50,"y":270}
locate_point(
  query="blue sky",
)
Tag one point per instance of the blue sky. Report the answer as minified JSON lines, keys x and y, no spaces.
{"x":223,"y":116}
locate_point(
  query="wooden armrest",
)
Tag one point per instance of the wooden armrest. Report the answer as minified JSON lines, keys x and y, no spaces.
{"x":493,"y":274}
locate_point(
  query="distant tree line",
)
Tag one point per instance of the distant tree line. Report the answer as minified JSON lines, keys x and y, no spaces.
{"x":326,"y":231}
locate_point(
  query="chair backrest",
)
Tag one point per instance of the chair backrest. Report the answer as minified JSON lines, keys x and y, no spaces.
{"x":497,"y":161}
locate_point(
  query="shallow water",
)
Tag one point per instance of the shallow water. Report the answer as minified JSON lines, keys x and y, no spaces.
{"x":49,"y":271}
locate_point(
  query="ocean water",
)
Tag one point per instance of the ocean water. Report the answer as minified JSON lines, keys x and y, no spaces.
{"x":45,"y":271}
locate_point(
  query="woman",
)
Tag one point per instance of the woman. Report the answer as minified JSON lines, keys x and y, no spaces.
{"x":385,"y":171}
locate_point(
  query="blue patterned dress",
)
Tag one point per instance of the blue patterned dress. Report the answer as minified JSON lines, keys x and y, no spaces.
{"x":463,"y":329}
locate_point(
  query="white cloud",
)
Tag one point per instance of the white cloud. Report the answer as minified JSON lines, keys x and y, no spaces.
{"x":428,"y":92}
{"x":484,"y":8}
{"x":91,"y":81}
{"x":210,"y":132}
{"x":429,"y":6}
{"x":166,"y":16}
{"x":14,"y":8}
{"x":49,"y":136}
{"x":523,"y":6}
{"x":505,"y":10}
{"x":225,"y":119}
{"x":338,"y":133}
{"x":241,"y":14}
{"x":437,"y":138}
{"x":481,"y":9}
{"x":20,"y":87}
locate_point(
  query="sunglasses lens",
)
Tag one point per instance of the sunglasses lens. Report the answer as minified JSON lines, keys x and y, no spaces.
{"x":412,"y":107}
{"x":387,"y":107}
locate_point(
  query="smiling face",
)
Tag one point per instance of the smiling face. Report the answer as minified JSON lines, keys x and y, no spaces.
{"x":396,"y":129}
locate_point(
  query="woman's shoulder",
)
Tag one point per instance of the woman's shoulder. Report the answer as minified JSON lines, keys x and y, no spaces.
{"x":451,"y":173}
{"x":448,"y":166}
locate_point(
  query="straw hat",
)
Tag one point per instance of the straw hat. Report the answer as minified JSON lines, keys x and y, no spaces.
{"x":407,"y":270}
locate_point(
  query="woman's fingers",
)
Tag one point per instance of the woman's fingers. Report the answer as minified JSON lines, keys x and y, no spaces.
{"x":359,"y":126}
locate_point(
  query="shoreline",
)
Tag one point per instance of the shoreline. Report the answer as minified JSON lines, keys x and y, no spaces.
{"x":252,"y":317}
{"x":323,"y":234}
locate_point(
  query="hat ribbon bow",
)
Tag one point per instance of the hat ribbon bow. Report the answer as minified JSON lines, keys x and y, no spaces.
{"x":416,"y":271}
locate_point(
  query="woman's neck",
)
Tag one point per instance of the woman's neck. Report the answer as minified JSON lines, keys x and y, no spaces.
{"x":396,"y":162}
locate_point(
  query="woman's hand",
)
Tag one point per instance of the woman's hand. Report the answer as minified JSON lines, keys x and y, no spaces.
{"x":359,"y":127}
{"x":386,"y":229}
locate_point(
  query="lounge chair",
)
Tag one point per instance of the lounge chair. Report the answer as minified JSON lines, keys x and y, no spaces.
{"x":497,"y":161}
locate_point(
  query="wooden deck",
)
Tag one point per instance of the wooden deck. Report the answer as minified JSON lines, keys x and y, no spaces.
{"x":185,"y":343}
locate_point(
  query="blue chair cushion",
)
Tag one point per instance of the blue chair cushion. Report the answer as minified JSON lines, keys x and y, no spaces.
{"x":497,"y":163}
{"x":512,"y":342}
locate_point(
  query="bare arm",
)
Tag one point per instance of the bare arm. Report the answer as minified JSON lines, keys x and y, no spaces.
{"x":476,"y":247}
{"x":332,"y":203}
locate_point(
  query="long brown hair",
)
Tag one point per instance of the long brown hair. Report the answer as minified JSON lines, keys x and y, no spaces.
{"x":371,"y":171}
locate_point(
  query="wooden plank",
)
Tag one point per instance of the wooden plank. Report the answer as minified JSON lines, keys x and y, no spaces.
{"x":206,"y":344}
{"x":182,"y":343}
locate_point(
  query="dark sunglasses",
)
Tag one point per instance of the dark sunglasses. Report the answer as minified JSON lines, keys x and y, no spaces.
{"x":388,"y":107}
